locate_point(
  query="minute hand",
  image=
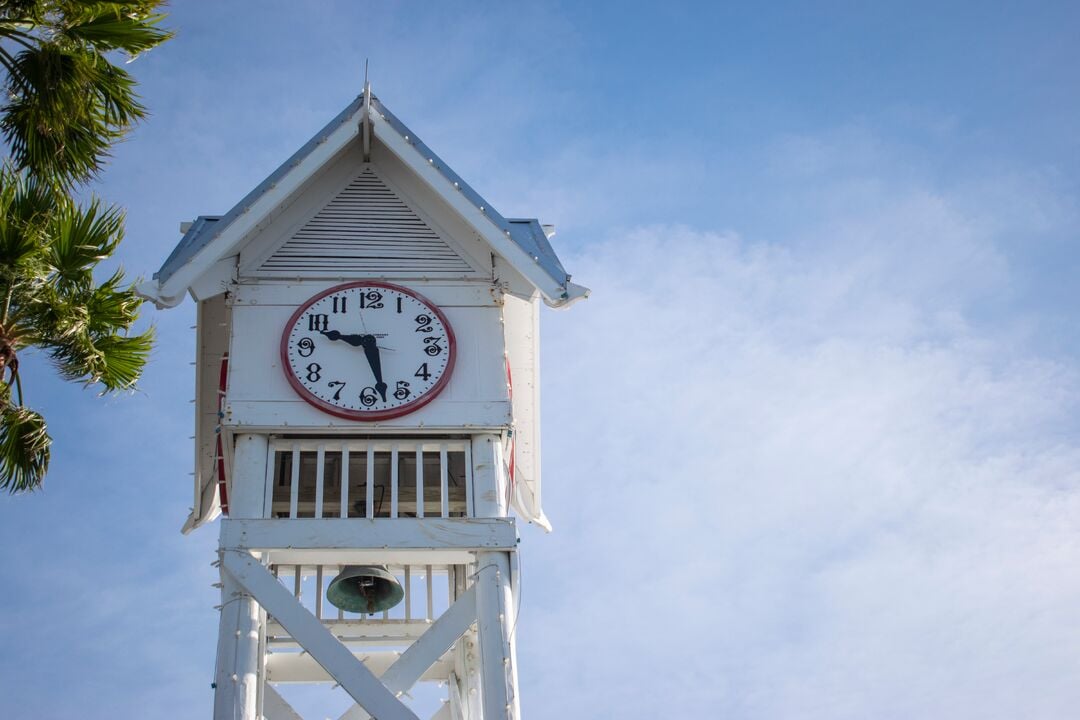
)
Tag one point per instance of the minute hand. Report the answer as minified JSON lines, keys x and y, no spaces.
{"x":371,"y":352}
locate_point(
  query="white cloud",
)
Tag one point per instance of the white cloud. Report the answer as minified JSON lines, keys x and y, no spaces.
{"x":799,"y":482}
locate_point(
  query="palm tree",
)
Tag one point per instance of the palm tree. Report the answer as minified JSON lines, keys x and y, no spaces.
{"x":67,"y":103}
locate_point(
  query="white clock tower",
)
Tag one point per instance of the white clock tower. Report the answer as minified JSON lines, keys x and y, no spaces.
{"x":368,"y":419}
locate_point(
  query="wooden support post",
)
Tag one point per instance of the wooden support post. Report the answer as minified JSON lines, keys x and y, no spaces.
{"x":494,"y":593}
{"x":237,"y":691}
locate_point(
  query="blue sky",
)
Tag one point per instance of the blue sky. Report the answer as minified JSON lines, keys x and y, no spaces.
{"x":810,"y":449}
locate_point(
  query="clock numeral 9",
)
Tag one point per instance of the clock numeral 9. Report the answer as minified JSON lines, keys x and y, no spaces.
{"x":424,"y":322}
{"x":422,"y":372}
{"x":305,"y":347}
{"x":402,"y":391}
{"x":432,"y":346}
{"x":371,"y":300}
{"x":314,"y":372}
{"x":368,"y":397}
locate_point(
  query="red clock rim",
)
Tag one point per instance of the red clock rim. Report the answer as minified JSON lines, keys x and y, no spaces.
{"x":368,"y":415}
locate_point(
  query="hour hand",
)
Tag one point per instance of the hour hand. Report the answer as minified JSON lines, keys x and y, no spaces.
{"x":354,"y":340}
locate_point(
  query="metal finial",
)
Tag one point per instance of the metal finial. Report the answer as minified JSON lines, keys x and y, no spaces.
{"x":365,"y":122}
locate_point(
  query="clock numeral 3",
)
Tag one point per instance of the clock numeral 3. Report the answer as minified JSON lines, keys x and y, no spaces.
{"x":314,"y":372}
{"x":339,"y":385}
{"x":432,"y":346}
{"x":371,"y":300}
{"x":402,"y":391}
{"x":368,"y":397}
{"x":305,"y":347}
{"x":424,"y":321}
{"x":317,"y":322}
{"x":422,"y":372}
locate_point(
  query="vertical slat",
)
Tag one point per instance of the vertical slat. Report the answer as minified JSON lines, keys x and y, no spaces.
{"x":320,"y":467}
{"x":444,"y":483}
{"x":430,"y":602}
{"x":469,"y":512}
{"x":450,"y":594}
{"x":298,"y":571}
{"x":393,"y":480}
{"x":408,"y":592}
{"x":318,"y":592}
{"x":419,"y":480}
{"x":268,"y":487}
{"x":370,"y":499}
{"x":344,"y":480}
{"x":294,"y":488}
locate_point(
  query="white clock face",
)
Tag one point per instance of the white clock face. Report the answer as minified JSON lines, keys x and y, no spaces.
{"x":368,"y":351}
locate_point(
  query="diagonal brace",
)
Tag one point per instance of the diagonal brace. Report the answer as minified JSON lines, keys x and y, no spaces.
{"x":334,"y":657}
{"x":428,"y":648}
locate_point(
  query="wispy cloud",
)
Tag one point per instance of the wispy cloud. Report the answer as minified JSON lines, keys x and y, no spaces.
{"x":800,"y":480}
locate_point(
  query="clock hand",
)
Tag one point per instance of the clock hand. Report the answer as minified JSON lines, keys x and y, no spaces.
{"x":371,"y":351}
{"x":354,"y":340}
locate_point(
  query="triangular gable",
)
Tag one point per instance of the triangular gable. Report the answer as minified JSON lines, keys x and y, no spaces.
{"x":521,"y":243}
{"x":367,"y":228}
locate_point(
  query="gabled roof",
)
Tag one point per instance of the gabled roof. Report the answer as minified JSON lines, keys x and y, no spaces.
{"x":521,"y":242}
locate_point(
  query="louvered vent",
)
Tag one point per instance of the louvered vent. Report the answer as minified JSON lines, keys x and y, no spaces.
{"x":367,"y":229}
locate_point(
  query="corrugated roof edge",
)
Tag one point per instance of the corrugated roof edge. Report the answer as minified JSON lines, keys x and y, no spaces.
{"x":520,"y":231}
{"x":193,"y":242}
{"x":528,"y":234}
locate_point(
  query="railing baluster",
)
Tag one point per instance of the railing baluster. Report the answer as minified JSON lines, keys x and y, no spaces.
{"x":430,"y":602}
{"x":294,"y":489}
{"x":318,"y":592}
{"x":393,"y":480}
{"x":370,"y":496}
{"x":298,"y":571}
{"x":419,"y":480}
{"x":320,"y":467}
{"x":344,"y":481}
{"x":444,"y":484}
{"x":408,"y":592}
{"x":468,"y":480}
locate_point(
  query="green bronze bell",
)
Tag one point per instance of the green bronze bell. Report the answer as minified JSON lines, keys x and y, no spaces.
{"x":365,"y":589}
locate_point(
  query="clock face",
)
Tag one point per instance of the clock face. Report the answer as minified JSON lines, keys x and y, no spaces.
{"x":368,"y":351}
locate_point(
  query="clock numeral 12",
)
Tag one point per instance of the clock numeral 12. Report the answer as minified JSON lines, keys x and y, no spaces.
{"x":372,"y":299}
{"x":422,"y":372}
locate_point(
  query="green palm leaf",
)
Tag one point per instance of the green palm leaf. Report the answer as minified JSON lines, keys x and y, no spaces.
{"x":24,"y":449}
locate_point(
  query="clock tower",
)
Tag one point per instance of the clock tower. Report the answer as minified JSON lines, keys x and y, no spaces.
{"x":367,"y":424}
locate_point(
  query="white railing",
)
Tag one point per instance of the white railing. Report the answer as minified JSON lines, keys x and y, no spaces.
{"x":347,"y":478}
{"x":429,"y":591}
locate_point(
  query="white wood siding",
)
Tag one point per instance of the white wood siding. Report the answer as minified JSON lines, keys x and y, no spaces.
{"x":260,"y":397}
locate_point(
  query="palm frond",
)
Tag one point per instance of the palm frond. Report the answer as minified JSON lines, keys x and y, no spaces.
{"x":24,"y":449}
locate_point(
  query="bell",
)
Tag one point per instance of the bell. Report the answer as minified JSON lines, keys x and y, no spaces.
{"x":365,"y":589}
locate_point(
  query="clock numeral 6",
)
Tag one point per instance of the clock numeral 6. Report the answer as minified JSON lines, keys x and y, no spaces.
{"x":402,"y":391}
{"x":424,"y":321}
{"x":314,"y":372}
{"x":422,"y":372}
{"x":305,"y":347}
{"x":368,"y":397}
